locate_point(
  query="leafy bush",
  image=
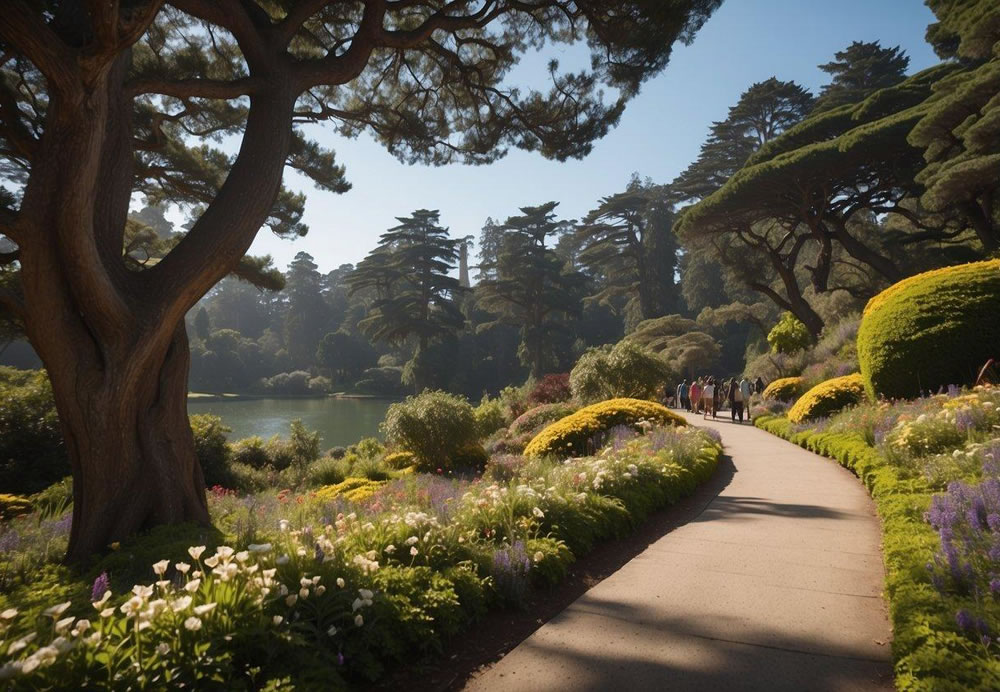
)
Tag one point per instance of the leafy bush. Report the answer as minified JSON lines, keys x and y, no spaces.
{"x":211,"y":447}
{"x":32,"y":452}
{"x":550,"y":389}
{"x":625,"y":371}
{"x":368,"y":448}
{"x":784,"y":389}
{"x":381,"y":381}
{"x":54,"y":500}
{"x":574,"y":435}
{"x":336,"y":452}
{"x":828,"y":397}
{"x":491,"y":415}
{"x":789,"y":335}
{"x":434,"y":426}
{"x":931,"y":330}
{"x":326,"y":471}
{"x":251,"y":451}
{"x":515,"y":400}
{"x":295,"y":383}
{"x":399,"y":460}
{"x":531,"y":420}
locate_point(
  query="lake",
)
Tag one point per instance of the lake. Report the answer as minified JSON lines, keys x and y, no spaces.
{"x":340,"y":422}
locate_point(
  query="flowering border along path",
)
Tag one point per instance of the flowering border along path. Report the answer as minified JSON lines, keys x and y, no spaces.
{"x":775,"y":585}
{"x":349,"y":589}
{"x":929,"y":654}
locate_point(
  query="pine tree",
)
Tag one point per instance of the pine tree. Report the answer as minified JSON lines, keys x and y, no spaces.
{"x":416,"y":296}
{"x":858,"y":70}
{"x":531,"y":289}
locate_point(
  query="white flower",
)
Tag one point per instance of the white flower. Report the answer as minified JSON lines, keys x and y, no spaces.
{"x":283,"y":525}
{"x":160,"y":568}
{"x":8,"y":614}
{"x":390,"y":549}
{"x":212,"y":561}
{"x":163,"y":648}
{"x":259,"y":547}
{"x":538,"y":513}
{"x":57,"y":610}
{"x":64,"y":624}
{"x":340,"y":582}
{"x":81,"y":627}
{"x":21,"y":643}
{"x":290,"y":600}
{"x":9,"y":670}
{"x":131,"y":607}
{"x":196,"y":551}
{"x":192,"y":623}
{"x":303,"y":593}
{"x":411,"y":540}
{"x":182,"y":603}
{"x":414,"y":551}
{"x":202,"y":609}
{"x":332,"y":631}
{"x":356,"y":605}
{"x":539,"y":556}
{"x":358,"y":620}
{"x":365,"y":594}
{"x":107,"y":612}
{"x":182,"y":567}
{"x":277,"y":619}
{"x":142,"y":591}
{"x":192,"y":585}
{"x":320,"y":590}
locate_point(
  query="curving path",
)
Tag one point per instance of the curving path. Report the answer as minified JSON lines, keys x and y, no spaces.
{"x":775,"y":585}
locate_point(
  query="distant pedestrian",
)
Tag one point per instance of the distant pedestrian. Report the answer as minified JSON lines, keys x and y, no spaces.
{"x":745,"y":390}
{"x":708,"y":396}
{"x":735,"y":400}
{"x":696,"y":396}
{"x":758,"y":385}
{"x":683,"y":401}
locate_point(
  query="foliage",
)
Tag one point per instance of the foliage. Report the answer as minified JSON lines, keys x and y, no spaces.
{"x":931,"y":648}
{"x":532,"y":419}
{"x":859,"y":70}
{"x":575,"y":434}
{"x":399,"y":460}
{"x":211,"y":447}
{"x":13,"y":506}
{"x":296,"y":383}
{"x":828,"y":397}
{"x":352,"y":489}
{"x":434,"y":426}
{"x":531,"y":289}
{"x":491,"y":415}
{"x":625,"y":370}
{"x":931,"y":330}
{"x":789,"y":335}
{"x":550,"y":390}
{"x":32,"y":453}
{"x":785,"y":389}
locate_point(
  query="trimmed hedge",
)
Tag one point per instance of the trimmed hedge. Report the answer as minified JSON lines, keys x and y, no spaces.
{"x":929,"y":651}
{"x":828,"y":397}
{"x":571,"y":435}
{"x":784,"y":389}
{"x":931,"y":330}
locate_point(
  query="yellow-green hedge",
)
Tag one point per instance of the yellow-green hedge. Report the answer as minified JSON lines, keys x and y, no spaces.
{"x":932,"y":329}
{"x":399,"y":460}
{"x":13,"y":506}
{"x":569,"y":435}
{"x":352,"y":489}
{"x":784,"y":389}
{"x":828,"y":397}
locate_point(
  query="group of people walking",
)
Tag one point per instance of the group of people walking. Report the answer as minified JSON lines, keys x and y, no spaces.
{"x":708,"y":395}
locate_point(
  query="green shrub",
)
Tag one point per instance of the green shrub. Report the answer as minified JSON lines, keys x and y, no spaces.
{"x":784,"y":389}
{"x":251,"y":451}
{"x":250,"y":479}
{"x":789,"y":335}
{"x":326,"y":471}
{"x":434,"y":426}
{"x":55,"y":499}
{"x":368,"y":447}
{"x":625,"y":371}
{"x":472,"y":457}
{"x":399,"y":460}
{"x":572,"y":435}
{"x":32,"y":453}
{"x":491,"y":415}
{"x":828,"y":397}
{"x":211,"y":448}
{"x":931,"y":330}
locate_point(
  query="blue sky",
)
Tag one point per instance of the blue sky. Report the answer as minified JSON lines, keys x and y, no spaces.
{"x":746,"y":41}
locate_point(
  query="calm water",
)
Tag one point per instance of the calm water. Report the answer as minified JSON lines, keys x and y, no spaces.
{"x":340,"y":422}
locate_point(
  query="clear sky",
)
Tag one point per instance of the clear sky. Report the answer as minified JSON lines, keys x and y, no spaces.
{"x":746,"y":41}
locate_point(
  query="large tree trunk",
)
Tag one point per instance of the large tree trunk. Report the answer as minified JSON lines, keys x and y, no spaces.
{"x":131,"y":448}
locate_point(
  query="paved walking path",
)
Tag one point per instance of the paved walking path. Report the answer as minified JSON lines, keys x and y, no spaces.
{"x":775,"y":585}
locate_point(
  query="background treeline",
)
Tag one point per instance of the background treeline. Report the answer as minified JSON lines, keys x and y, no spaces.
{"x":799,"y":208}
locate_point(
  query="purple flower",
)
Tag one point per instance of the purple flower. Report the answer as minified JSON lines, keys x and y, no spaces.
{"x":510,"y":571}
{"x":964,"y":619}
{"x":101,"y":585}
{"x":9,"y":541}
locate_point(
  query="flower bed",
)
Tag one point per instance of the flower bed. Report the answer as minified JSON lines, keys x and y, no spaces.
{"x":939,"y":550}
{"x":317,"y":590}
